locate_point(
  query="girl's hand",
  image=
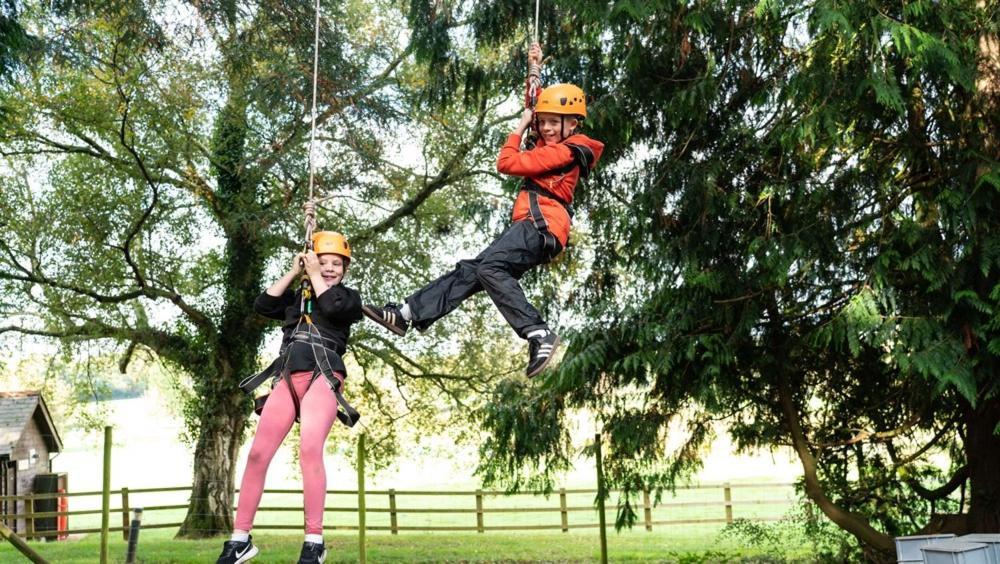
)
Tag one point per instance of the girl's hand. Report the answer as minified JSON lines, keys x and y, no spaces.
{"x":535,"y":54}
{"x":297,"y":264}
{"x":311,"y":263}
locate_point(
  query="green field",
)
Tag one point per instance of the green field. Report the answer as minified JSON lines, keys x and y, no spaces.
{"x":687,"y":541}
{"x":691,"y":544}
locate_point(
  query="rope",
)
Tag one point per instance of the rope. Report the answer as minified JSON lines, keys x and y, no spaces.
{"x":312,"y":132}
{"x":537,"y":2}
{"x":310,"y":206}
{"x":534,"y":69}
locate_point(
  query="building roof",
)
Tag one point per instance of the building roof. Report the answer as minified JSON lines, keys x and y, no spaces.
{"x":16,"y":410}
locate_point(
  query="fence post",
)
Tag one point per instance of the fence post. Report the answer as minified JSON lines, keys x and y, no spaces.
{"x":393,"y":524}
{"x":125,"y":511}
{"x":106,"y":496}
{"x":728,"y":494}
{"x":29,"y":517}
{"x":362,"y":555}
{"x":600,"y":499}
{"x":562,"y":510}
{"x":647,"y":509}
{"x":20,"y":545}
{"x":479,"y":512}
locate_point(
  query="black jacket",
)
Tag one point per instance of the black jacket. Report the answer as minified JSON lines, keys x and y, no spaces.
{"x":334,"y":311}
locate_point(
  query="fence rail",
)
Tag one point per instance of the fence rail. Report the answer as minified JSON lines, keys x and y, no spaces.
{"x":477,"y":506}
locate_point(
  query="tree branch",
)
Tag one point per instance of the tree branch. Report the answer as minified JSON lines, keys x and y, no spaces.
{"x":961,"y":475}
{"x":853,"y":523}
{"x":444,"y":177}
{"x":166,"y":345}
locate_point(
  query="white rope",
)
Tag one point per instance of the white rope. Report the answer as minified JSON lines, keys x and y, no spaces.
{"x":534,"y":69}
{"x":537,"y":2}
{"x":310,"y":205}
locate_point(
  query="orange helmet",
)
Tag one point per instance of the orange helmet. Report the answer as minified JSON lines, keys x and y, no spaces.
{"x":563,"y":99}
{"x":331,"y":242}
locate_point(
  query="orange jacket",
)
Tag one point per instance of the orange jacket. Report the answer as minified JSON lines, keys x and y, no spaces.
{"x":534,"y":164}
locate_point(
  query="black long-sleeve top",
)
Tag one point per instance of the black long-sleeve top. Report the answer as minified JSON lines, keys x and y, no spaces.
{"x":334,"y":311}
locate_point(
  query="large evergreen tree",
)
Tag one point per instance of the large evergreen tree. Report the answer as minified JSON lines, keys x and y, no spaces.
{"x":798,"y":238}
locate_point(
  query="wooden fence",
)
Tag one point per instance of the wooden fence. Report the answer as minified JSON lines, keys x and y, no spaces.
{"x":476,"y":506}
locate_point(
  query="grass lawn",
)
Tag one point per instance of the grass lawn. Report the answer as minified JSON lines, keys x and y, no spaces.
{"x":665,"y":543}
{"x":691,"y":543}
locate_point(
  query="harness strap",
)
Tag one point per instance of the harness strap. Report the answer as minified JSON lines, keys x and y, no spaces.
{"x":279,"y":370}
{"x":345,"y":412}
{"x":550,"y":244}
{"x":530,"y":185}
{"x":583,"y":158}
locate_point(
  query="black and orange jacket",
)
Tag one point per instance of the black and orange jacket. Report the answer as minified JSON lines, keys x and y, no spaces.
{"x":542,"y":165}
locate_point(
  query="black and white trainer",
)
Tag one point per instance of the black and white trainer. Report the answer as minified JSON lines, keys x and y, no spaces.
{"x":540,"y":352}
{"x":312,"y":553}
{"x":389,"y":317}
{"x":234,"y":552}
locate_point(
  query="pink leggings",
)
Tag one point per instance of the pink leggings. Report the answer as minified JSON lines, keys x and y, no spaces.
{"x":318,"y":412}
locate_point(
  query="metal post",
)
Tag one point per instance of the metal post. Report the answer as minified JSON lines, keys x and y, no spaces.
{"x":362,"y":556}
{"x":106,"y":496}
{"x":601,"y":492}
{"x":133,"y":536}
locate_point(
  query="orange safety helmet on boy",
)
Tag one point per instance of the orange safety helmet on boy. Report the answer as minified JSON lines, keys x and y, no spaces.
{"x":562,"y":99}
{"x":331,"y":242}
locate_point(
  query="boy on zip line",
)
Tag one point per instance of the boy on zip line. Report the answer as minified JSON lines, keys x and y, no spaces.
{"x":538,"y":232}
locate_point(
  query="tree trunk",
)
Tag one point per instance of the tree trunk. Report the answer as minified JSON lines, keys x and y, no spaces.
{"x":210,"y":512}
{"x":982,"y":448}
{"x":982,"y":443}
{"x":223,"y":408}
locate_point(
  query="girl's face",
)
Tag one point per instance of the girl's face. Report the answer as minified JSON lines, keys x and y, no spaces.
{"x":332,"y":268}
{"x":554,"y":127}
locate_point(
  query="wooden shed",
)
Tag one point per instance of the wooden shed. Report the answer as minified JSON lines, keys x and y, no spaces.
{"x":28,"y":438}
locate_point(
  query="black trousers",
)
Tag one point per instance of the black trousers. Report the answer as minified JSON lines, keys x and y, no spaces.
{"x":497,"y":270}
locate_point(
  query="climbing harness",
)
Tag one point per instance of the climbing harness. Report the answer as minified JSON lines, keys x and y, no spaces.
{"x":278,"y":370}
{"x":583,"y":158}
{"x":305,"y":330}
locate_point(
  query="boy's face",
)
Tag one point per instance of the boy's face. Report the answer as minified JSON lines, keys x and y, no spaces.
{"x":549,"y":126}
{"x":332,"y":268}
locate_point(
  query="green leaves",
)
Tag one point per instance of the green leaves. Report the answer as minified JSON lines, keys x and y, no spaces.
{"x":807,"y":198}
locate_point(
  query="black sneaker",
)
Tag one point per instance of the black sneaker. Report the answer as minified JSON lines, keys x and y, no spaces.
{"x":389,"y":317}
{"x":540,"y":352}
{"x":234,"y":552}
{"x":312,"y":553}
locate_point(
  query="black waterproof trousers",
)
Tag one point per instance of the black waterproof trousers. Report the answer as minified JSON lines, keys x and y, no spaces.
{"x":497,"y":270}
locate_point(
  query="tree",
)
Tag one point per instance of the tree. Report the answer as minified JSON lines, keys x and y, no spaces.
{"x":156,"y":162}
{"x":797,"y":239}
